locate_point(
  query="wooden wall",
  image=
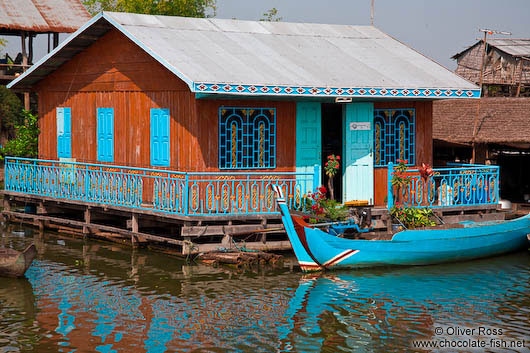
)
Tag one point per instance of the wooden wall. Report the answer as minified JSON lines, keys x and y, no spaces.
{"x":423,"y":142}
{"x":115,"y":73}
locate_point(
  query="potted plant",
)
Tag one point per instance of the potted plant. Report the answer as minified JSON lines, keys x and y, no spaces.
{"x":331,"y":168}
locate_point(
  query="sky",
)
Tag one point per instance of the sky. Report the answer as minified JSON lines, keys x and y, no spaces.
{"x":437,"y":29}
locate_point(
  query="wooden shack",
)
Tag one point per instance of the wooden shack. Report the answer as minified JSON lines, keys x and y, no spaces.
{"x":197,"y":117}
{"x":506,"y":66}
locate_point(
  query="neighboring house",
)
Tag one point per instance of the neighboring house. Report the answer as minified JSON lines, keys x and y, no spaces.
{"x":506,"y":66}
{"x":502,"y":138}
{"x":226,"y":96}
{"x":26,"y":19}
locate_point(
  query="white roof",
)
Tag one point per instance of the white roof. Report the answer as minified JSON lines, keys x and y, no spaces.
{"x":279,"y":58}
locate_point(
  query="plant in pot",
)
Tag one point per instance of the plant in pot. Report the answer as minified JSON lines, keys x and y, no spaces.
{"x":400,"y":180}
{"x":331,"y":168}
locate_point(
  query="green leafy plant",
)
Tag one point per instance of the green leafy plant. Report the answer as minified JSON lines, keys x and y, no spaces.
{"x":10,"y":112}
{"x":413,"y":217}
{"x":187,"y":8}
{"x":26,"y":141}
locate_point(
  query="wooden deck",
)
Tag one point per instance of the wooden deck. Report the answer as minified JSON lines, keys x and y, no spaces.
{"x":183,"y":234}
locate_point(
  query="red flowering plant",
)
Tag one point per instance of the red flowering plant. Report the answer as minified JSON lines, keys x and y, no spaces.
{"x":323,"y":208}
{"x":331,"y":168}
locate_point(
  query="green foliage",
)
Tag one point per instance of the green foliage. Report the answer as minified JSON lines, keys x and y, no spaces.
{"x":271,"y":15}
{"x":26,"y":142}
{"x":413,"y":217}
{"x":187,"y":8}
{"x":399,"y":178}
{"x":10,"y":111}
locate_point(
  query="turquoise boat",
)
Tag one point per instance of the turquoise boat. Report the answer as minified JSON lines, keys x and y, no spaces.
{"x":318,"y":250}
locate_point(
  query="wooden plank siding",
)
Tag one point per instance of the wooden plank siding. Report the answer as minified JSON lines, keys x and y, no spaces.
{"x":115,"y":73}
{"x":423,"y":148}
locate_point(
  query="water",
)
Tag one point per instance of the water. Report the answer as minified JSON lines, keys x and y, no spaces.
{"x":95,"y":297}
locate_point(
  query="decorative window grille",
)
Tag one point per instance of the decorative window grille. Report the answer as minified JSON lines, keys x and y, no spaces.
{"x":394,"y":136}
{"x":247,"y":138}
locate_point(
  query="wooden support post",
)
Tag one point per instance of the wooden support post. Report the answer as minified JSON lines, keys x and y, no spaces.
{"x":87,"y":221}
{"x":24,"y":63}
{"x":134,"y":226}
{"x":55,"y":40}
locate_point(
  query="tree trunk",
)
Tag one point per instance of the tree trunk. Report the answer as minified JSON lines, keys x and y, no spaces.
{"x":330,"y":187}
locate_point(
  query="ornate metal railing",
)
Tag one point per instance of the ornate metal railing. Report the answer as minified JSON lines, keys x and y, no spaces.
{"x":167,"y":191}
{"x":456,"y":185}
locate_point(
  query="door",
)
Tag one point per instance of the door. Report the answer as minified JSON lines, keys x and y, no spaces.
{"x":105,"y":129}
{"x":64,"y":133}
{"x":308,"y":137}
{"x":358,"y":179}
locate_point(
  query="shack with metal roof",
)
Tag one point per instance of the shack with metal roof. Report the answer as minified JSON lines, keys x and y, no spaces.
{"x":198,"y":117}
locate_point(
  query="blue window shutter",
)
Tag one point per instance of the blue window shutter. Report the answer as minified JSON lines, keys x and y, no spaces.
{"x":160,"y":137}
{"x":64,"y":133}
{"x":105,"y":134}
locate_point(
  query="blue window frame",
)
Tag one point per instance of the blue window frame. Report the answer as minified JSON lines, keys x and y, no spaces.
{"x":160,"y":137}
{"x":394,"y":136}
{"x":247,"y":138}
{"x":105,"y":134}
{"x":64,"y":132}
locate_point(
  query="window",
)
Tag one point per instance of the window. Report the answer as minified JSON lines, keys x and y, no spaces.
{"x":64,"y":132}
{"x":247,"y":138}
{"x":393,"y":136}
{"x":105,"y":136}
{"x":160,"y":137}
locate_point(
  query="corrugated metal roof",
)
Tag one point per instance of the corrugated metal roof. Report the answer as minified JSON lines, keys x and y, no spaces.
{"x":280,"y":56}
{"x":514,"y":47}
{"x":62,"y":16}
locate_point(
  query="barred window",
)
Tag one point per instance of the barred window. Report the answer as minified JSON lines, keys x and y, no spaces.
{"x":394,"y":136}
{"x":247,"y":138}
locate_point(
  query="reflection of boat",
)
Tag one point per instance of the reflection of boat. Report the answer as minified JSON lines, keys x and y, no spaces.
{"x":15,"y":263}
{"x":384,"y":309}
{"x":317,"y":250}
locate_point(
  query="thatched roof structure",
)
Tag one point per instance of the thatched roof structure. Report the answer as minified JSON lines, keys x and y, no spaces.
{"x":502,"y":120}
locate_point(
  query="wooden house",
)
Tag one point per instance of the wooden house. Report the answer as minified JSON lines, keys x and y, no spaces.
{"x":506,"y":66}
{"x":196,"y":118}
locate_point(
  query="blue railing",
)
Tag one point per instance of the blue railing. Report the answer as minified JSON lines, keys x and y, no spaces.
{"x":167,"y":191}
{"x":457,"y":185}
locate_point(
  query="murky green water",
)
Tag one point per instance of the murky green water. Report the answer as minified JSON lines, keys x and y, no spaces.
{"x":95,"y":297}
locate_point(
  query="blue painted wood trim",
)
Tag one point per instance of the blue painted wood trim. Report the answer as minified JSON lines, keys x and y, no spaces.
{"x":105,"y":134}
{"x":311,"y":91}
{"x":64,"y":132}
{"x":160,"y":137}
{"x":389,"y":192}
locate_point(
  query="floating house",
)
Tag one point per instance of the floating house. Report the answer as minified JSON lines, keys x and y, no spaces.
{"x":196,"y":118}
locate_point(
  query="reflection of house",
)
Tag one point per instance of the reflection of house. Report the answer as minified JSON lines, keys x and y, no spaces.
{"x":506,"y":66}
{"x":503,"y":138}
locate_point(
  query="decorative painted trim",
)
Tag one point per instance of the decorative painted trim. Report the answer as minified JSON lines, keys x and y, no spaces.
{"x":308,"y":91}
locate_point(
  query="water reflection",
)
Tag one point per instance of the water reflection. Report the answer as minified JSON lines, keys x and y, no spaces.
{"x":95,"y":297}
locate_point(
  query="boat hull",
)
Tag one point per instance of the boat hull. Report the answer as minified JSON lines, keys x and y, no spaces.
{"x":14,"y":263}
{"x":336,"y":253}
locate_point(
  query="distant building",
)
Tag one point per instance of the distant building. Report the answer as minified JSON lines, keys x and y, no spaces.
{"x":506,"y":69}
{"x":502,"y":138}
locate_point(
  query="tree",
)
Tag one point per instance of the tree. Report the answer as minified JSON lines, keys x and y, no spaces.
{"x":10,"y":112}
{"x":26,"y":142}
{"x":271,"y":15}
{"x":187,"y":8}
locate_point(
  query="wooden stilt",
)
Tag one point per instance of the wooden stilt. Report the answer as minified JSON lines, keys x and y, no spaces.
{"x":24,"y":63}
{"x":134,"y":226}
{"x":86,"y":230}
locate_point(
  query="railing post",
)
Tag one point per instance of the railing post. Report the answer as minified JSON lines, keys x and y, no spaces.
{"x":390,"y":196}
{"x":316,"y":177}
{"x":186,"y":189}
